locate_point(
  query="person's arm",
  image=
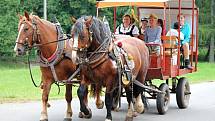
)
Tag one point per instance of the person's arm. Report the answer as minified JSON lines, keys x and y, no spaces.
{"x":181,"y":36}
{"x":186,"y":32}
{"x":146,"y":36}
{"x":135,"y":32}
{"x":117,"y":30}
{"x":158,"y":35}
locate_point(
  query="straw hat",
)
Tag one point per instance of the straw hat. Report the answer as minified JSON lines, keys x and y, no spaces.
{"x":153,"y":16}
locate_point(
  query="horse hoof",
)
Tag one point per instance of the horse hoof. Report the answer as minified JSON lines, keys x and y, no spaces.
{"x":82,"y":115}
{"x":143,"y":112}
{"x":100,"y":105}
{"x":116,"y":109}
{"x":67,"y":119}
{"x":135,"y":114}
{"x":128,"y":118}
{"x":44,"y":120}
{"x":139,"y":108}
{"x":108,"y":120}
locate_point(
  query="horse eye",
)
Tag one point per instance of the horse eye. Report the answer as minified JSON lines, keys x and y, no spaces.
{"x":26,"y":29}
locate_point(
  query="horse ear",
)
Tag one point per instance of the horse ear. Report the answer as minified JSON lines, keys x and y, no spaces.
{"x":88,"y":22}
{"x":31,"y":13}
{"x":20,"y":16}
{"x":27,"y":15}
{"x":73,"y":19}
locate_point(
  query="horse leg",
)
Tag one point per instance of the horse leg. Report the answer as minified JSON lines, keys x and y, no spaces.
{"x":99,"y":102}
{"x":130,"y":113}
{"x":139,"y":106}
{"x":45,"y":95}
{"x":86,"y":100}
{"x":108,"y":102}
{"x":138,"y":93}
{"x":82,"y":93}
{"x":68,"y":96}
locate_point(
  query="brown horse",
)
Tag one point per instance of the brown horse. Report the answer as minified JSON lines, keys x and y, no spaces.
{"x":34,"y":31}
{"x":94,"y":47}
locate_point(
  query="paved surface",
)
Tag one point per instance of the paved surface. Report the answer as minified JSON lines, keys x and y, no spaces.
{"x":201,"y":108}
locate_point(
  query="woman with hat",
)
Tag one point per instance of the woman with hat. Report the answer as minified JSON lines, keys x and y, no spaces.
{"x":153,"y":33}
{"x":144,"y":24}
{"x":127,"y":27}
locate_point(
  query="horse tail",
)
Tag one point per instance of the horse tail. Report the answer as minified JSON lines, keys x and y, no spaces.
{"x":95,"y":89}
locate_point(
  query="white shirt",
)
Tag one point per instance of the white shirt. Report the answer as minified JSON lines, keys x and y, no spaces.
{"x":127,"y":29}
{"x":174,"y":32}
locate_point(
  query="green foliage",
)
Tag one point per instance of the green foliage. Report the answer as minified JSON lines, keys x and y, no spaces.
{"x":61,"y":9}
{"x":206,"y":28}
{"x":8,"y":26}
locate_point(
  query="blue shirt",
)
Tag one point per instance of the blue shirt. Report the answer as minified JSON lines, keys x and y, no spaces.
{"x":186,"y":31}
{"x":153,"y":35}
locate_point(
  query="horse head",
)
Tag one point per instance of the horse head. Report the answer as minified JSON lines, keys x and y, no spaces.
{"x":27,"y":35}
{"x":88,"y":34}
{"x":36,"y":32}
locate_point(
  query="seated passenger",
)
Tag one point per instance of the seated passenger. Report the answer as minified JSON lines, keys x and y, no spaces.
{"x":160,"y":23}
{"x":174,"y":32}
{"x":185,"y":29}
{"x":144,"y":24}
{"x":153,"y":33}
{"x":127,"y":27}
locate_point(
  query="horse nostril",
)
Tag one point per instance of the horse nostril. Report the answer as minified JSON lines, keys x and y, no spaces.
{"x":19,"y":50}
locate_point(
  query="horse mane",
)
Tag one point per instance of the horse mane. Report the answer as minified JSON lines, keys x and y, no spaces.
{"x":98,"y":28}
{"x":43,"y":21}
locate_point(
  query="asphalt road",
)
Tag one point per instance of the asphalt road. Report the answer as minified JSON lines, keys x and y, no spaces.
{"x":201,"y":108}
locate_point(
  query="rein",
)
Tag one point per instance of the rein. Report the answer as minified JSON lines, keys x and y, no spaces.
{"x":43,"y":61}
{"x":32,"y":79}
{"x":37,"y":45}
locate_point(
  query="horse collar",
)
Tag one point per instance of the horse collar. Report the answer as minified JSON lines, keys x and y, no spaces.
{"x":57,"y":55}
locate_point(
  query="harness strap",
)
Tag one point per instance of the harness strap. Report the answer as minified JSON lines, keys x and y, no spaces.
{"x":54,"y":73}
{"x":56,"y":56}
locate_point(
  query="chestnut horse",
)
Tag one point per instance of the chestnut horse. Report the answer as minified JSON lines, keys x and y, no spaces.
{"x":94,"y":46}
{"x":43,"y":34}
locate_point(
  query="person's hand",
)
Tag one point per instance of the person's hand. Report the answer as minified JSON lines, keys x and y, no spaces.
{"x":151,"y":42}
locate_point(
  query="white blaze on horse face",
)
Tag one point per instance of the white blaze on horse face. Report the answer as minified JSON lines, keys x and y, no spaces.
{"x":75,"y":44}
{"x":17,"y":39}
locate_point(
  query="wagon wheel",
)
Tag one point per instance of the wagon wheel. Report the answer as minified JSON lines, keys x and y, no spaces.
{"x":183,"y":93}
{"x":163,"y":99}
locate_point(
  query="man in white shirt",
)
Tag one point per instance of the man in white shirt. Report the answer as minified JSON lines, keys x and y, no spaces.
{"x":127,"y":27}
{"x":174,"y":32}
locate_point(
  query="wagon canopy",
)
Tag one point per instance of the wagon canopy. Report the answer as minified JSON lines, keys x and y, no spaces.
{"x":141,"y":3}
{"x":144,"y":3}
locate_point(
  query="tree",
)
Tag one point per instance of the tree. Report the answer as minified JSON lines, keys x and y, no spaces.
{"x":211,"y":50}
{"x":206,"y":28}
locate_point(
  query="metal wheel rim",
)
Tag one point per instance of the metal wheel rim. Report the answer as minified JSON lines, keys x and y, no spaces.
{"x":186,"y":93}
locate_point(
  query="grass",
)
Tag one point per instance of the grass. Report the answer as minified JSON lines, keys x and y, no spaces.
{"x":205,"y":72}
{"x":16,"y":85}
